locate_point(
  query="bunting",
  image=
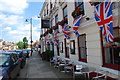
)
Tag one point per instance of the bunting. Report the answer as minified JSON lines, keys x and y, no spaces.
{"x":55,"y":37}
{"x":76,"y":24}
{"x":66,"y":31}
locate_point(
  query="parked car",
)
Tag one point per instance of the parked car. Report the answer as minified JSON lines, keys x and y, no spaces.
{"x":9,"y":65}
{"x":1,"y":51}
{"x":26,"y":52}
{"x":22,"y":57}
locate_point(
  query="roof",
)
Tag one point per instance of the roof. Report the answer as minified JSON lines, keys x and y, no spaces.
{"x":42,"y":8}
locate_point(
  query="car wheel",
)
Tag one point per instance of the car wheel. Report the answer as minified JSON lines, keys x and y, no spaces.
{"x":21,"y":67}
{"x":18,"y":74}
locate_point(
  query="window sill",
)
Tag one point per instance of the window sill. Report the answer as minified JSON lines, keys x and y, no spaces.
{"x":110,"y":70}
{"x":112,"y":66}
{"x":83,"y":60}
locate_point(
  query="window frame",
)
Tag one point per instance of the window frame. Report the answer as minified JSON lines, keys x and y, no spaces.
{"x":58,"y":53}
{"x":72,"y":44}
{"x":52,"y":22}
{"x":79,"y":52}
{"x":61,"y":46}
{"x":78,"y":5}
{"x":66,"y":16}
{"x":111,"y":66}
{"x":47,"y":9}
{"x":66,"y":49}
{"x":55,"y":19}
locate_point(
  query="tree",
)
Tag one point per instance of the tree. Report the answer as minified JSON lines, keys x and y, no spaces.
{"x":25,"y":42}
{"x":20,"y":45}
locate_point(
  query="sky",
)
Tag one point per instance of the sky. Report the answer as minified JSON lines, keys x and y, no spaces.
{"x":13,"y":14}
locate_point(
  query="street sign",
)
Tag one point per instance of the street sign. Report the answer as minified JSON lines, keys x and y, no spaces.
{"x":45,"y":23}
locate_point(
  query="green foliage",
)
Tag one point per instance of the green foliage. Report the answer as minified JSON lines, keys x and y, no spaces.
{"x":63,"y":22}
{"x":25,"y":39}
{"x":47,"y":55}
{"x":77,"y":12}
{"x":25,"y":42}
{"x":50,"y":31}
{"x":20,"y":45}
{"x":49,"y":52}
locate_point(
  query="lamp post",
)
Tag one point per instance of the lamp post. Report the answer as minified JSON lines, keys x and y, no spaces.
{"x":30,"y":32}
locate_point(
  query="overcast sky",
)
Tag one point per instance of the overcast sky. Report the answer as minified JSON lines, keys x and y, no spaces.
{"x":12,"y":19}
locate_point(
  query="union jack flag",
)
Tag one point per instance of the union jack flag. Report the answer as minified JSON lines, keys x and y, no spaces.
{"x":66,"y":31}
{"x":76,"y":24}
{"x":103,"y":16}
{"x":76,"y":33}
{"x":55,"y":37}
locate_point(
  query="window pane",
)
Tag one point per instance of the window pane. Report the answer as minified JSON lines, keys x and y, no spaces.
{"x":112,"y":52}
{"x":83,"y":47}
{"x":72,"y":47}
{"x":79,"y":3}
{"x":116,"y":33}
{"x":112,"y":55}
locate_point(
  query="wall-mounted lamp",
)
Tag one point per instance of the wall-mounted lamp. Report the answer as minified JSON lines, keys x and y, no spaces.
{"x":87,"y":18}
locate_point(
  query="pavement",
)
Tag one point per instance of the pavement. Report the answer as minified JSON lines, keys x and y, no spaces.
{"x":35,"y":68}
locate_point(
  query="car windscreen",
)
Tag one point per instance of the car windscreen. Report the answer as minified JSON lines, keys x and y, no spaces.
{"x":4,"y":60}
{"x":24,"y":51}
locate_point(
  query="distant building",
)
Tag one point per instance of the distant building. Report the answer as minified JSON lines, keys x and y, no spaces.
{"x":90,"y":48}
{"x":9,"y":45}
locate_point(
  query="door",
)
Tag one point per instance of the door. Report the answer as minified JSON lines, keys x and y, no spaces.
{"x":14,"y":66}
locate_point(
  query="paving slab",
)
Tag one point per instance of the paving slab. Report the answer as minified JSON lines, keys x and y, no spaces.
{"x":36,"y":68}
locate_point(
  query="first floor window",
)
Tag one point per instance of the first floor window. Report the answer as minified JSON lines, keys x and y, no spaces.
{"x":65,"y":13}
{"x":56,"y":19}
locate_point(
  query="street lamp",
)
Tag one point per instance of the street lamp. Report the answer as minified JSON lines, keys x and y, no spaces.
{"x":30,"y":32}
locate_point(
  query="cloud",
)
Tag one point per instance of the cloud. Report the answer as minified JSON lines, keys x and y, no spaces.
{"x":24,"y":31}
{"x":13,"y":6}
{"x":7,"y":29}
{"x":12,"y":21}
{"x":6,"y":20}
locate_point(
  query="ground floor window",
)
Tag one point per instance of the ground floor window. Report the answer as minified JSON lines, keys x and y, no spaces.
{"x":82,"y":48}
{"x":72,"y":46}
{"x":66,"y":49}
{"x":111,"y":52}
{"x":58,"y":50}
{"x":61,"y":47}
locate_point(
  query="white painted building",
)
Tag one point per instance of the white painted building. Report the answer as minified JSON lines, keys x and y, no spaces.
{"x":1,"y":43}
{"x":90,"y":48}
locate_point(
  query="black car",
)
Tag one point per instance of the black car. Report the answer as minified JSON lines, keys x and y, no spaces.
{"x":9,"y":65}
{"x":26,"y":52}
{"x":22,"y":57}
